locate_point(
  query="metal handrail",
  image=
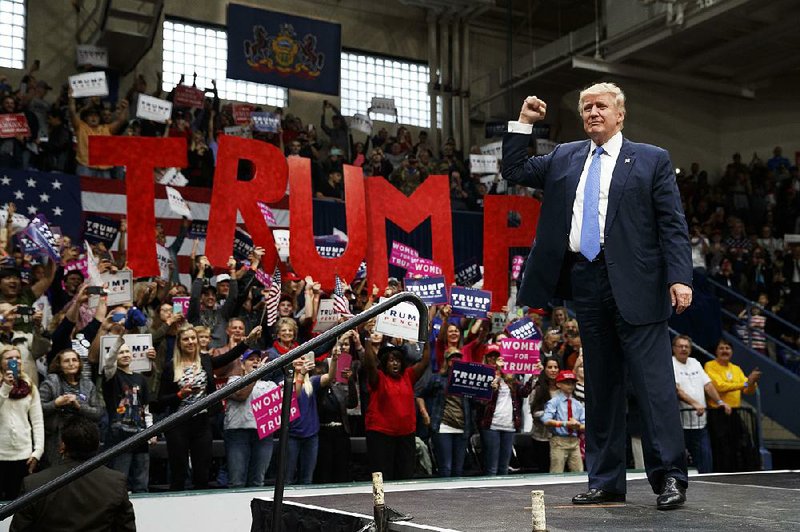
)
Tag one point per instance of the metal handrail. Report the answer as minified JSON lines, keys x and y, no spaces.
{"x":746,"y":324}
{"x":189,"y":411}
{"x":750,"y":304}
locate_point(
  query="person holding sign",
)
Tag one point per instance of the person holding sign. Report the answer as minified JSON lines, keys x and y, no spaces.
{"x":187,"y":378}
{"x":449,"y":338}
{"x":304,"y":431}
{"x":65,"y":393}
{"x":501,"y":417}
{"x":450,"y":421}
{"x":391,"y":420}
{"x":333,"y":458}
{"x":247,"y":456}
{"x":127,"y":400}
{"x":87,"y":124}
{"x":612,"y":238}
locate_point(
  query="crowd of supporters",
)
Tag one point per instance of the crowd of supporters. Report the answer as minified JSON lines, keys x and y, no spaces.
{"x":60,"y":126}
{"x":742,"y":235}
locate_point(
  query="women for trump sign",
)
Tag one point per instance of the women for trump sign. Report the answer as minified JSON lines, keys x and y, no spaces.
{"x":284,"y":50}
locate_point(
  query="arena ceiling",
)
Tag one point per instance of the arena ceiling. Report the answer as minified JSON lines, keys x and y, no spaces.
{"x":730,"y":47}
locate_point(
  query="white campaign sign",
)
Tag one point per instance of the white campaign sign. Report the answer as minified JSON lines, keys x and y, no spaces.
{"x":162,"y":254}
{"x":87,"y":54}
{"x":383,"y":105}
{"x":89,"y":84}
{"x":177,"y":204}
{"x":400,"y":321}
{"x":172,"y":176}
{"x":483,"y":164}
{"x":282,"y":241}
{"x":154,"y":109}
{"x":327,"y":317}
{"x":361,"y":123}
{"x":18,"y":221}
{"x":493,"y":148}
{"x":139,"y":344}
{"x":119,"y":287}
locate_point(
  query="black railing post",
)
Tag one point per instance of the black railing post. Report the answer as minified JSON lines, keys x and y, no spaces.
{"x":283,"y":447}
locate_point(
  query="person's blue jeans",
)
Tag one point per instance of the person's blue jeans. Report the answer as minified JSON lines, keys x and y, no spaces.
{"x":699,"y":446}
{"x":450,"y":450}
{"x":87,"y":171}
{"x":497,"y":448}
{"x":303,"y":454}
{"x":248,"y":457}
{"x":135,"y":466}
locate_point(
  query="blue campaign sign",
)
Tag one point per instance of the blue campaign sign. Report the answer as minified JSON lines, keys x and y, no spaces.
{"x":242,"y":244}
{"x":99,"y":229}
{"x":470,"y":302}
{"x":329,"y":246}
{"x":198,"y":229}
{"x":468,"y":273}
{"x":523,"y":329}
{"x":432,"y":290}
{"x":266,"y":122}
{"x":472,"y":380}
{"x":285,"y":50}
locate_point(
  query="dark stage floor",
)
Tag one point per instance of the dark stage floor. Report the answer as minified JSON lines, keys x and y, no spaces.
{"x":753,"y":501}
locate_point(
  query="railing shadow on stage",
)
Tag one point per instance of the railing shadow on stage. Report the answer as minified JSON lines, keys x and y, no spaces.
{"x":282,"y":363}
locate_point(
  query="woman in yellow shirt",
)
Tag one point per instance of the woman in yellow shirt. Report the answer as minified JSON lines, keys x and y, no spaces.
{"x":728,"y":378}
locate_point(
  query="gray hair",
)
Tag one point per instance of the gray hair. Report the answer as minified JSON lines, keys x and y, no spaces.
{"x":603,"y":88}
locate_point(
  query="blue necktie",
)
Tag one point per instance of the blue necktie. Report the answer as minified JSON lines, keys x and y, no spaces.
{"x":590,"y":230}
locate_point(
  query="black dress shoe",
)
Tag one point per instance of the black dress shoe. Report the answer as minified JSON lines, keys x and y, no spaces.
{"x":597,"y":496}
{"x":672,"y":495}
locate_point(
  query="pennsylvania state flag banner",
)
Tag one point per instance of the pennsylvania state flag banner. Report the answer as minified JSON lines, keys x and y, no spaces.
{"x":284,"y":50}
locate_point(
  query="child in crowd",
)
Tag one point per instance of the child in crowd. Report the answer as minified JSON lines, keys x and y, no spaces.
{"x":566,"y":417}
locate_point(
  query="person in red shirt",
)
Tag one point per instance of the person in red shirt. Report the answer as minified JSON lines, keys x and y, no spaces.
{"x":391,"y":419}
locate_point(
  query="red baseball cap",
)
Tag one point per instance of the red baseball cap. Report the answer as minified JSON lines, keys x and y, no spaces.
{"x":291,"y":276}
{"x":566,"y":375}
{"x":492,"y":348}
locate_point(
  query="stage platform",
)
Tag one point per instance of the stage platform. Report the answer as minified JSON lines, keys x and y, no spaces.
{"x":748,"y":501}
{"x":751,"y":501}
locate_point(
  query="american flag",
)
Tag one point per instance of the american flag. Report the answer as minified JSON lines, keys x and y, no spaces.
{"x":107,"y":197}
{"x":340,"y":303}
{"x":57,"y":196}
{"x":273,"y":298}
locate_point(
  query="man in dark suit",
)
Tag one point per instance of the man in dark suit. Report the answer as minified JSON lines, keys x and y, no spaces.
{"x":97,"y":501}
{"x":612,"y":237}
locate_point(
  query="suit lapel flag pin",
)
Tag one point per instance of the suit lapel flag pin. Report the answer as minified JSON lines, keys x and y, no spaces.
{"x":627,"y":161}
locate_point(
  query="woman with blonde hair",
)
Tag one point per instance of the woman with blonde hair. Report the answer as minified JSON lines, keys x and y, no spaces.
{"x":187,"y":378}
{"x":65,"y":393}
{"x":21,"y":424}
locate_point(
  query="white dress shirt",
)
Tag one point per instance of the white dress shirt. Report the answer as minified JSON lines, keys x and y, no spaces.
{"x":608,"y":160}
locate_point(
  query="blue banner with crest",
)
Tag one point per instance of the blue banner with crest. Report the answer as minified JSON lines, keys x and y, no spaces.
{"x":284,"y":50}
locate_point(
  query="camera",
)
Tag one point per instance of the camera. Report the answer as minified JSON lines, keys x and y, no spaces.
{"x":95,"y":290}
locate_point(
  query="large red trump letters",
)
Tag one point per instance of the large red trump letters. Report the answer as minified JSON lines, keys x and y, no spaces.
{"x":370,"y":203}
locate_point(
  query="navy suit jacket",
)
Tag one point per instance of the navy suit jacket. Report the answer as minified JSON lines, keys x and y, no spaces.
{"x":646,"y":244}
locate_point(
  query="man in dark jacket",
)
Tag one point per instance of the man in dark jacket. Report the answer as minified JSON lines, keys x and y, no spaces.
{"x":96,"y":501}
